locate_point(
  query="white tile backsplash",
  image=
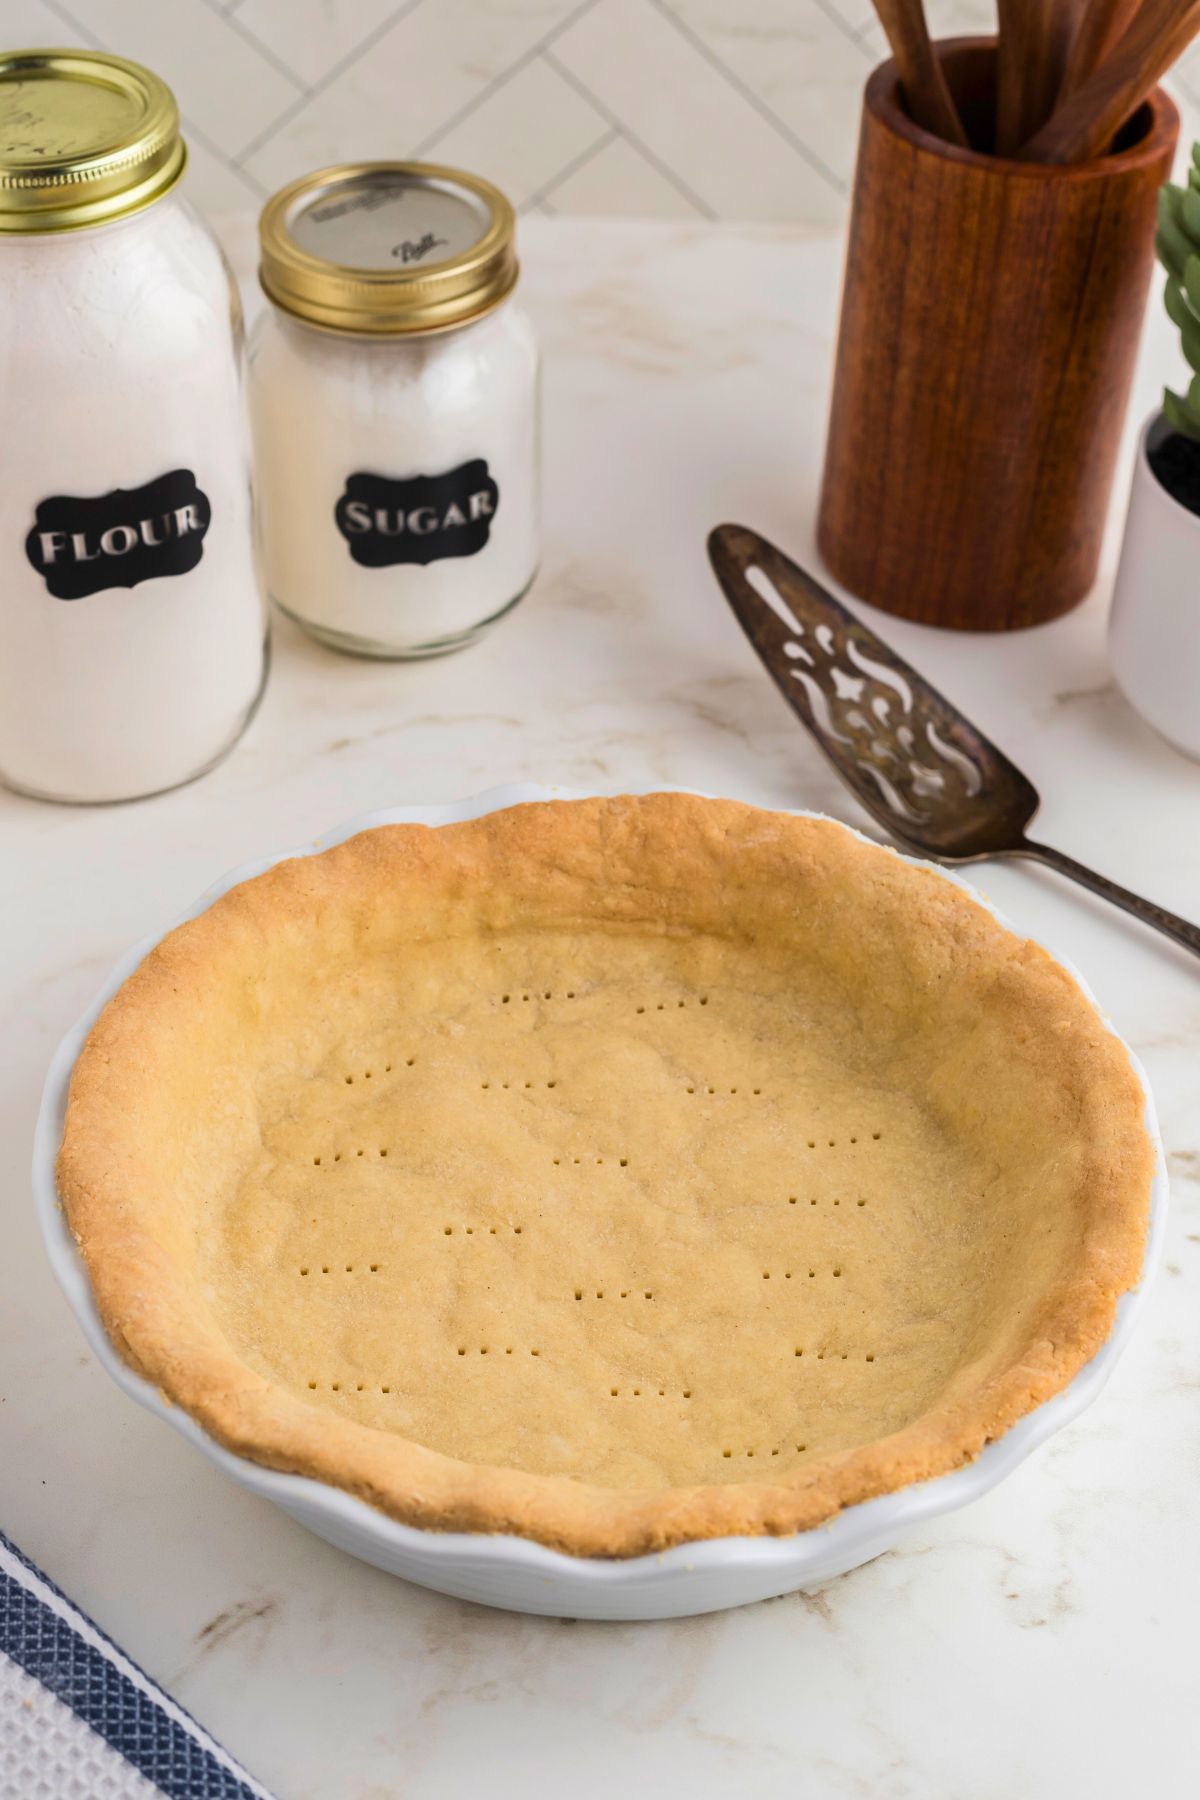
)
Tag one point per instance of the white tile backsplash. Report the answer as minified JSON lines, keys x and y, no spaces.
{"x":738,"y":109}
{"x":33,"y":23}
{"x":525,"y":132}
{"x":314,"y":35}
{"x":633,"y":57}
{"x":411,"y":79}
{"x":224,"y":84}
{"x":616,"y":179}
{"x":800,"y":59}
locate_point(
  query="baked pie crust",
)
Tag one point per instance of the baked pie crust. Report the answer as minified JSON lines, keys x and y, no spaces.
{"x":613,"y":1172}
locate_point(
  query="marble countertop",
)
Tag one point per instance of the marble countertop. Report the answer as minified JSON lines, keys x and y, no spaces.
{"x":1040,"y":1643}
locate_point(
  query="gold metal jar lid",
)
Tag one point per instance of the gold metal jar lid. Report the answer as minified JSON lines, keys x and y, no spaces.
{"x":388,"y":247}
{"x":84,"y":138}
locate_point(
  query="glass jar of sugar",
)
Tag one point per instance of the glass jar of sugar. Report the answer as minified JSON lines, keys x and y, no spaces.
{"x":394,"y":403}
{"x":131,"y":620}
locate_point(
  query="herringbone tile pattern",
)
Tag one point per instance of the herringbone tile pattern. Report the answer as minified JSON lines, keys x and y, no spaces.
{"x":730,"y":109}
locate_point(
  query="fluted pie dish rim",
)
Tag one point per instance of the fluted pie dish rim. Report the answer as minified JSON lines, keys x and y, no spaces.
{"x":512,"y":1520}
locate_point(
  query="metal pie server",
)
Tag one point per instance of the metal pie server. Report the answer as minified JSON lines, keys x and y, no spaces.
{"x":920,"y":768}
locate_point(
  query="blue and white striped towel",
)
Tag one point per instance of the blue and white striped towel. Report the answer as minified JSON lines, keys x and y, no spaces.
{"x":79,"y":1721}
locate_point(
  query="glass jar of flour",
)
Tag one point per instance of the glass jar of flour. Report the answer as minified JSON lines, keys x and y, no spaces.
{"x":394,"y":402}
{"x":131,"y":618}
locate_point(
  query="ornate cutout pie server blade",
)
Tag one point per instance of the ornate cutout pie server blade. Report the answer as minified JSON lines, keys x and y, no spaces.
{"x":920,"y":768}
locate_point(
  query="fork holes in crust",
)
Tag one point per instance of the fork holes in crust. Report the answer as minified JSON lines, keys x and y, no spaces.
{"x":480,"y":1230}
{"x":357,"y":1387}
{"x":597,"y":1162}
{"x":794,"y":1199}
{"x":622,"y":1294}
{"x":368,"y":1074}
{"x":327,"y":1268}
{"x":664,"y":1005}
{"x":658,"y":1393}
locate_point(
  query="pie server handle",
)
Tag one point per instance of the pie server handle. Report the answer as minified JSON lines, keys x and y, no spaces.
{"x":777,"y":603}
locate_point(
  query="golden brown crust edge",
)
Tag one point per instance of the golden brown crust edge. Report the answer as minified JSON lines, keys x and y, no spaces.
{"x":150,"y":1315}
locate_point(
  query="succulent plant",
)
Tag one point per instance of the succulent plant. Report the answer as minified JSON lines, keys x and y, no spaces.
{"x":1178,"y":247}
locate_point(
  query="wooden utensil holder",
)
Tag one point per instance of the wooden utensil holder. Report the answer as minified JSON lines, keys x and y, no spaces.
{"x":990,"y":323}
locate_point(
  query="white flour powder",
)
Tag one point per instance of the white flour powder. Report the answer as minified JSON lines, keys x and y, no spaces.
{"x":118,"y":347}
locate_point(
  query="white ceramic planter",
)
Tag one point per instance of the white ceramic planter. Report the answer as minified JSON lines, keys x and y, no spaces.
{"x":1154,"y":629}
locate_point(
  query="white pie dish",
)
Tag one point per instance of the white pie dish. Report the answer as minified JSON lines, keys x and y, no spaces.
{"x":514,"y":1572}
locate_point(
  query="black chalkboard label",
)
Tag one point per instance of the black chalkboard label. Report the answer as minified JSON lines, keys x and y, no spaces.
{"x":420,"y":520}
{"x":80,"y":546}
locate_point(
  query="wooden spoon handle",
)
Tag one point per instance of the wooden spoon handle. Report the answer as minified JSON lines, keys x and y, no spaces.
{"x":929,"y":99}
{"x":1100,"y":26}
{"x":1031,"y":57}
{"x":1084,"y":124}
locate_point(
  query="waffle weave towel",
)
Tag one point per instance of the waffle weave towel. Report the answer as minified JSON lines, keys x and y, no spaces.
{"x":79,"y":1721}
